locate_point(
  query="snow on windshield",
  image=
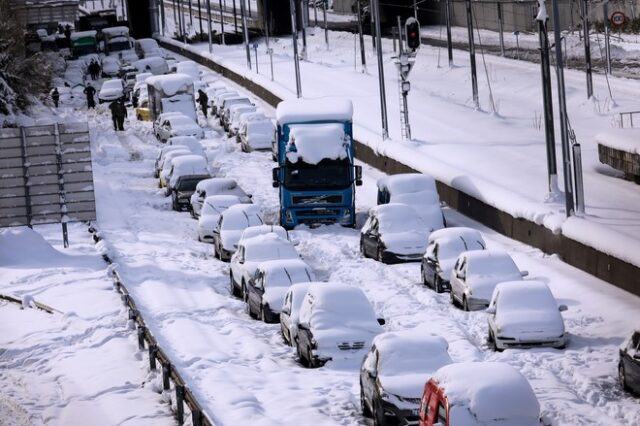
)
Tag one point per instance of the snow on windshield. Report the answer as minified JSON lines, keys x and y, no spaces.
{"x":313,"y":143}
{"x":530,"y":295}
{"x":411,"y":351}
{"x":491,"y":263}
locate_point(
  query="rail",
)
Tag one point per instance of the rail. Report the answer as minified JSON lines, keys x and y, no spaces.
{"x":629,"y":115}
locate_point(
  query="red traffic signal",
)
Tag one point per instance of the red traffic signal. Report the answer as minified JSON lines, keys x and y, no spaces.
{"x":412,"y":30}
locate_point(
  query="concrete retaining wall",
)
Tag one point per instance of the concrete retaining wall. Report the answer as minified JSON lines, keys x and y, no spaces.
{"x":608,"y":268}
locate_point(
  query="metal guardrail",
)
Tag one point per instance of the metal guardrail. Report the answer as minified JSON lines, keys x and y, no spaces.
{"x":629,"y":115}
{"x":41,"y":306}
{"x":183,"y":395}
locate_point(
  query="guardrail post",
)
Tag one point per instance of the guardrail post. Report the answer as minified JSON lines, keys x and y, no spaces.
{"x":166,"y":375}
{"x":196,"y":417}
{"x":141,"y":331}
{"x":180,"y":404}
{"x":153,"y":350}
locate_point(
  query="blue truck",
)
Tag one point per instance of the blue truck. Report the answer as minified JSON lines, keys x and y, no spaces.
{"x":316,"y":176}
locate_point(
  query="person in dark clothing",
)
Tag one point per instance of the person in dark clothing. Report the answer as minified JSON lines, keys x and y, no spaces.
{"x":118,"y":114}
{"x":55,"y":96}
{"x":93,"y":69}
{"x":203,"y":100}
{"x":60,"y":29}
{"x":90,"y":91}
{"x":67,"y":32}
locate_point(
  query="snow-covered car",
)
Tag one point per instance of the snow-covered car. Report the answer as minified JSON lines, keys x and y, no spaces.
{"x":163,"y":153}
{"x":219,"y":98}
{"x":290,"y":311}
{"x":178,"y":125}
{"x":336,"y":321}
{"x":443,"y":248}
{"x":190,"y":142}
{"x":143,"y":113}
{"x":250,"y":253}
{"x":166,"y":165}
{"x":394,"y":233}
{"x":111,"y":90}
{"x":256,"y":135}
{"x":416,"y":190}
{"x":234,"y":113}
{"x":186,"y":172}
{"x":265,"y":291}
{"x":141,"y":77}
{"x":212,"y":208}
{"x":629,"y":364}
{"x":476,"y":274}
{"x":215,"y":186}
{"x":163,"y":116}
{"x":254,"y":231}
{"x":148,"y":47}
{"x":110,"y":66}
{"x":232,"y":222}
{"x":139,"y":94}
{"x":394,"y":371}
{"x":189,"y":68}
{"x":154,"y":65}
{"x":225,"y":109}
{"x":525,"y":314}
{"x":479,"y":394}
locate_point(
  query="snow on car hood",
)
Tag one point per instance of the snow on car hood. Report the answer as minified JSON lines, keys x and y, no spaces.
{"x":110,"y":92}
{"x":208,"y":222}
{"x":230,"y":238}
{"x":527,"y":322}
{"x":409,"y":242}
{"x":186,"y":129}
{"x":274,"y":297}
{"x":405,"y":386}
{"x":329,"y":339}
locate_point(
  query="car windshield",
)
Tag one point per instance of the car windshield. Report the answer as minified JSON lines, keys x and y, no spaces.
{"x":401,"y":223}
{"x":217,"y":208}
{"x":494,"y":265}
{"x":450,"y":249}
{"x":327,"y":174}
{"x":117,"y":46}
{"x":188,"y":184}
{"x":529,"y":299}
{"x":182,"y":122}
{"x":239,"y":221}
{"x":112,"y":84}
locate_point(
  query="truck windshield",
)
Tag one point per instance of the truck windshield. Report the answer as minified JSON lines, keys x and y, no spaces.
{"x":117,"y":46}
{"x":327,"y":174}
{"x":188,"y":184}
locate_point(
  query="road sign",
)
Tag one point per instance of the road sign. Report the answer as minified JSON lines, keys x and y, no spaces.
{"x":617,"y":19}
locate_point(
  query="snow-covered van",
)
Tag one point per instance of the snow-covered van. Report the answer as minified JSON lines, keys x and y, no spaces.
{"x":171,"y":93}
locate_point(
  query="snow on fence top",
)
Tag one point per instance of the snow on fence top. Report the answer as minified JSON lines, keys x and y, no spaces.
{"x":115,"y":31}
{"x":313,"y":143}
{"x":309,"y":110}
{"x":82,"y":34}
{"x":623,"y":139}
{"x":170,"y":84}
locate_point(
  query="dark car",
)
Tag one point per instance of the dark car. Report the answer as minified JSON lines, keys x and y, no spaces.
{"x":183,"y":190}
{"x":629,"y":365}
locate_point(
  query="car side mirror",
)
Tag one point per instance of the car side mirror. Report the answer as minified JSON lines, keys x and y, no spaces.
{"x":275,"y":175}
{"x":358,"y":175}
{"x":524,"y":273}
{"x":562,"y":308}
{"x":491,"y":310}
{"x":286,"y":311}
{"x":381,"y":321}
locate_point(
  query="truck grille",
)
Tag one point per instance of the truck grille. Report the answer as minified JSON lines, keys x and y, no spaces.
{"x":317,"y":212}
{"x":354,"y":346}
{"x":316,"y":199}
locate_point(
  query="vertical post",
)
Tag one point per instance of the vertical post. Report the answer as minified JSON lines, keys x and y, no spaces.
{"x":324,"y":18}
{"x":153,"y":350}
{"x":400,"y":38}
{"x":180,"y":19}
{"x":587,"y":46}
{"x":61,"y":192}
{"x":255,"y":49}
{"x":294,"y":36}
{"x":123,"y":12}
{"x":517,"y":34}
{"x":363,"y":58}
{"x":415,"y":9}
{"x":180,"y":400}
{"x":196,"y":418}
{"x":270,"y":52}
{"x":607,"y":41}
{"x":245,"y":33}
{"x":175,"y":17}
{"x":163,"y":22}
{"x":315,"y":12}
{"x":249,"y":4}
{"x":577,"y":168}
{"x":383,"y":96}
{"x":394,"y":36}
{"x":190,"y":12}
{"x":447,"y":14}
{"x":235,"y":18}
{"x":501,"y":28}
{"x":200,"y":17}
{"x":562,"y":103}
{"x":221,"y":22}
{"x":166,"y":375}
{"x":304,"y":30}
{"x":209,"y":25}
{"x":154,"y":16}
{"x":472,"y":56}
{"x":140,"y":337}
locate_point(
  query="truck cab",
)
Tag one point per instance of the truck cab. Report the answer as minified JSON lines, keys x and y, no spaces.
{"x":316,"y":176}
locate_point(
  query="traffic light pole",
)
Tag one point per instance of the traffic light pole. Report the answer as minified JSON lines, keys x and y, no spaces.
{"x":383,"y":97}
{"x":587,"y":46}
{"x":294,"y":36}
{"x":447,"y":14}
{"x":472,"y":56}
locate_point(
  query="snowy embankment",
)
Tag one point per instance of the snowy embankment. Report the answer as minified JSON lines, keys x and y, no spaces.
{"x":496,"y":153}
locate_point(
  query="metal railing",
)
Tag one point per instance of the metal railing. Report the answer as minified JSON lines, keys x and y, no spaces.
{"x":629,"y":115}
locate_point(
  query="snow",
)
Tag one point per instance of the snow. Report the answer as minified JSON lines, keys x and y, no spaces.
{"x":154,"y":65}
{"x":278,"y":276}
{"x":491,"y":391}
{"x":80,"y":34}
{"x":187,"y":165}
{"x":406,"y":183}
{"x":314,"y":110}
{"x":312,"y":143}
{"x":171,"y":84}
{"x":451,"y":243}
{"x":115,"y":31}
{"x":235,"y":220}
{"x":254,"y":231}
{"x":623,"y":139}
{"x":267,"y":247}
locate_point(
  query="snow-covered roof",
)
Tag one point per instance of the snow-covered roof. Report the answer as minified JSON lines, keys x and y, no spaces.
{"x":459,"y":232}
{"x":170,"y":84}
{"x":395,"y":213}
{"x":188,"y":162}
{"x":310,"y":110}
{"x":189,"y":141}
{"x":407,"y":183}
{"x":81,"y":34}
{"x":622,"y":139}
{"x":315,"y":142}
{"x":526,"y":296}
{"x":147,"y":43}
{"x":492,"y":391}
{"x":216,"y":184}
{"x":286,"y":271}
{"x":254,"y":231}
{"x":411,"y":350}
{"x":115,"y":31}
{"x":268,"y":247}
{"x":241,"y":216}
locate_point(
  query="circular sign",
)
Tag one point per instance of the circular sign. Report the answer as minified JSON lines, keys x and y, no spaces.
{"x":617,"y":19}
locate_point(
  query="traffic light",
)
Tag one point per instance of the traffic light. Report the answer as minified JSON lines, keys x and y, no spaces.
{"x":412,"y":30}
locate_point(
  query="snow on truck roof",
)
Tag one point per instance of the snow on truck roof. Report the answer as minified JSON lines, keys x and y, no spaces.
{"x":81,"y":34}
{"x":115,"y":31}
{"x":490,"y":390}
{"x":313,"y":143}
{"x":310,"y":110}
{"x":170,"y":84}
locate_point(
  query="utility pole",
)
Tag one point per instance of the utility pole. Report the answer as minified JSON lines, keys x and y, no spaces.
{"x":587,"y":46}
{"x":209,"y":24}
{"x":383,"y":97}
{"x":363,"y":58}
{"x":235,"y":17}
{"x":294,"y":34}
{"x":607,"y":41}
{"x":190,"y":13}
{"x":221,"y":22}
{"x":324,"y":17}
{"x":562,"y":103}
{"x":552,"y":168}
{"x":447,"y":14}
{"x":200,"y":17}
{"x":472,"y":56}
{"x":304,"y":30}
{"x":501,"y":28}
{"x":245,"y":33}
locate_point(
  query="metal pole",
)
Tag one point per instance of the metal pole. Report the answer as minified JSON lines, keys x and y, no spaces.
{"x":245,"y":33}
{"x":501,"y":28}
{"x":249,"y":4}
{"x":324,"y":17}
{"x":472,"y":56}
{"x":235,"y":18}
{"x":221,"y":22}
{"x":562,"y":103}
{"x":294,"y":37}
{"x":190,"y":12}
{"x":255,"y":49}
{"x":447,"y":14}
{"x":180,"y":21}
{"x":400,"y":38}
{"x":415,"y":9}
{"x":607,"y":42}
{"x":209,"y":21}
{"x":383,"y":96}
{"x":270,"y":52}
{"x":175,"y":17}
{"x":363,"y":58}
{"x":577,"y":168}
{"x":200,"y":17}
{"x":315,"y":12}
{"x":587,"y":46}
{"x":304,"y":31}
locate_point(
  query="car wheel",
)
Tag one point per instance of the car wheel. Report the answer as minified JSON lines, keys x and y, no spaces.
{"x":437,"y":283}
{"x":232,"y":287}
{"x":303,"y":360}
{"x":366,"y":412}
{"x":311,"y":363}
{"x":380,"y":255}
{"x":622,"y":378}
{"x":465,"y":304}
{"x":263,"y":315}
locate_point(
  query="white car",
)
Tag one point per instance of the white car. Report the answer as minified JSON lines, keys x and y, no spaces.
{"x":232,"y":222}
{"x":154,"y":65}
{"x":215,"y":186}
{"x":525,"y":314}
{"x":212,"y":208}
{"x":235,"y":112}
{"x":253,"y":251}
{"x":161,"y":156}
{"x":265,"y":291}
{"x":254,"y":231}
{"x":161,"y":118}
{"x":178,"y":125}
{"x":219,"y":98}
{"x":111,"y":90}
{"x":443,"y":249}
{"x":393,"y":373}
{"x":189,"y":142}
{"x":148,"y":47}
{"x":290,"y":311}
{"x":166,"y":164}
{"x":110,"y":66}
{"x":416,"y":190}
{"x":189,"y":68}
{"x":224,"y":110}
{"x":187,"y":165}
{"x":394,"y":233}
{"x":476,"y":274}
{"x":256,"y":135}
{"x":336,"y":321}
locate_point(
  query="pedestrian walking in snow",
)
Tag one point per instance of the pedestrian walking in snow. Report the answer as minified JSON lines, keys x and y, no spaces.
{"x":93,"y":72}
{"x":90,"y":91}
{"x":55,"y":96}
{"x":118,"y":114}
{"x":203,"y":100}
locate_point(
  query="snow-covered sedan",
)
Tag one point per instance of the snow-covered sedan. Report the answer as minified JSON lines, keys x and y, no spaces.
{"x":212,"y":208}
{"x":234,"y":112}
{"x":185,"y":174}
{"x":232,"y":222}
{"x":111,"y":90}
{"x":291,"y":312}
{"x":215,"y":186}
{"x":476,"y":274}
{"x":110,"y":66}
{"x":256,"y":135}
{"x":250,"y":253}
{"x":265,"y":292}
{"x":394,"y":371}
{"x":336,"y":321}
{"x":254,"y":231}
{"x":394,"y":233}
{"x":162,"y":155}
{"x":525,"y":314}
{"x":443,"y":249}
{"x":629,"y":364}
{"x":190,"y":142}
{"x":178,"y":125}
{"x":167,"y":164}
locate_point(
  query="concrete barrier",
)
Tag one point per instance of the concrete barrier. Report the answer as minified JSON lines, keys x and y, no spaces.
{"x":599,"y":264}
